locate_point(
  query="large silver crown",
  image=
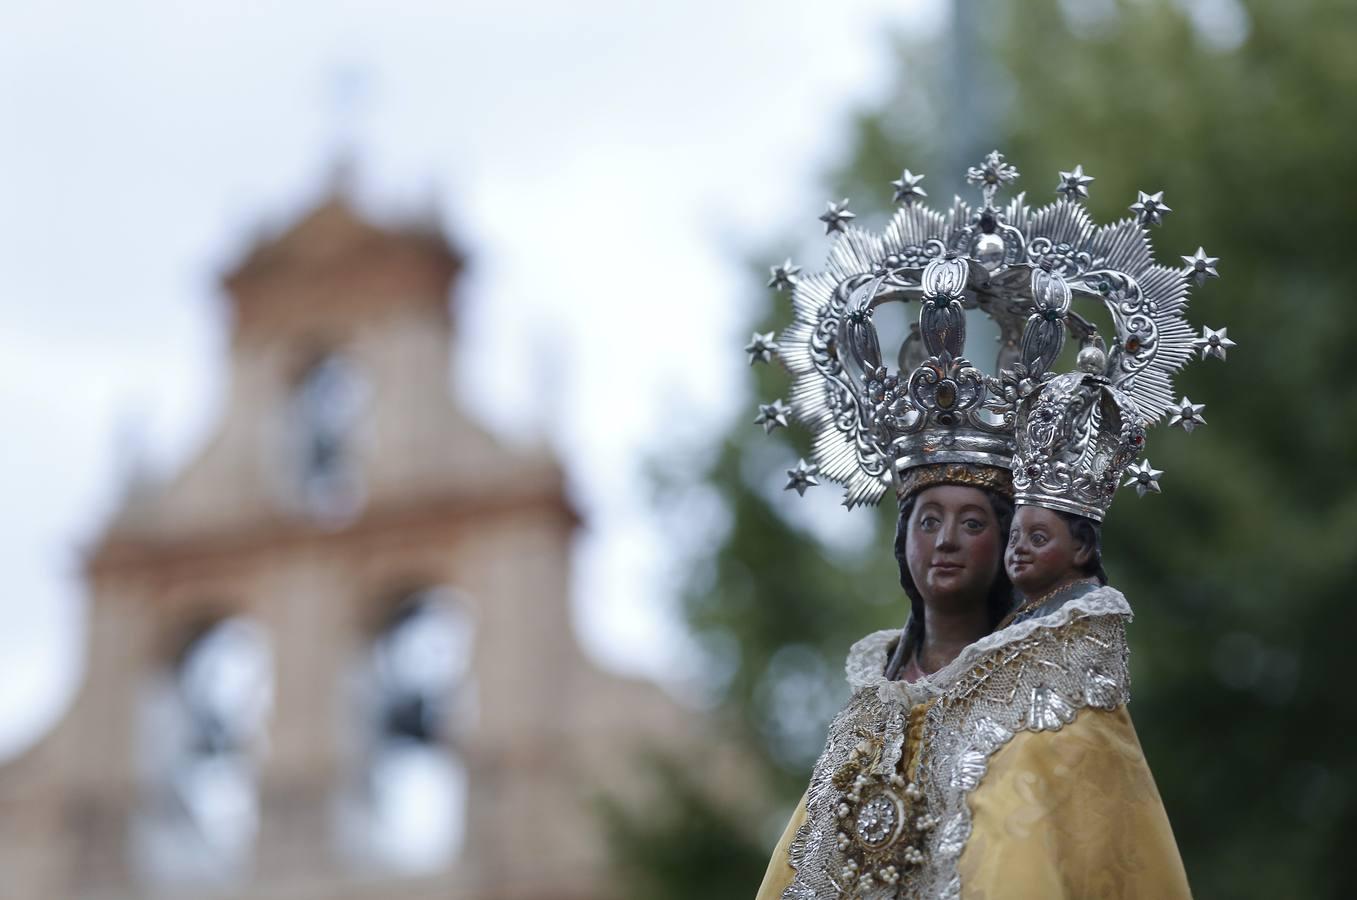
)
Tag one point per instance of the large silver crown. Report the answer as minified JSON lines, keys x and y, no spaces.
{"x":1021,"y":266}
{"x":1075,"y":438}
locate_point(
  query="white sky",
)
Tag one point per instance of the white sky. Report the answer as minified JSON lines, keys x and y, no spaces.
{"x":608,"y":166}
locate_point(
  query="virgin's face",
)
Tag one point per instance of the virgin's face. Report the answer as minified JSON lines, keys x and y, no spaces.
{"x":953,"y":547}
{"x":1041,"y":553}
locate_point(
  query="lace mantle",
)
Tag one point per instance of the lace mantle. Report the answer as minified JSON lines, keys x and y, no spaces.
{"x":883,"y":824}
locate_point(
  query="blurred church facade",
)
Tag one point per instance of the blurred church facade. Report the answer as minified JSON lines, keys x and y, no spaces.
{"x":333,"y":656}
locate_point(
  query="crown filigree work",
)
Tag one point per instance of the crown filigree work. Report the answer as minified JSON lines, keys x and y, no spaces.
{"x":1075,"y":438}
{"x":1026,"y":268}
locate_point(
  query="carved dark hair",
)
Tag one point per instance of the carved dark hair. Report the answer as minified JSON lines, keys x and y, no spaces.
{"x":1089,"y":533}
{"x":1000,"y":599}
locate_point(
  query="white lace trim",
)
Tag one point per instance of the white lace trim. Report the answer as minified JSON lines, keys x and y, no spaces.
{"x":867,"y":659}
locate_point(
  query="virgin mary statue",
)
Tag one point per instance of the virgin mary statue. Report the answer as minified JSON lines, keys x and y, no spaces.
{"x":986,"y":750}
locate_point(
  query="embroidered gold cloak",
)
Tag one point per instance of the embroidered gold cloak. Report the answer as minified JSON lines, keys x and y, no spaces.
{"x":1012,"y":773}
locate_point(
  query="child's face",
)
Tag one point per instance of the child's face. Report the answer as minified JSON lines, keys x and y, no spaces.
{"x":1042,"y":553}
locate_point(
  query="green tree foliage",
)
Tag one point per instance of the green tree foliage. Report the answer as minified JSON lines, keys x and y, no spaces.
{"x":1242,"y":571}
{"x":688,"y":845}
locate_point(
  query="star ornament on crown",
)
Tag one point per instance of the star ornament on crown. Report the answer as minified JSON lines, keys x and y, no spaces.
{"x":874,"y":417}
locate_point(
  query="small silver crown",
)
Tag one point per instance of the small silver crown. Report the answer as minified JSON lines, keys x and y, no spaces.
{"x":1075,"y":436}
{"x":1022,"y":266}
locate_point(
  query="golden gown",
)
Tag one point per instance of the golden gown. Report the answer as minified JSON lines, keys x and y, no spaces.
{"x":1012,"y":773}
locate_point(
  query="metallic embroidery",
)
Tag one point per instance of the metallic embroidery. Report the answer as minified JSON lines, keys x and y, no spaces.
{"x":872,"y":834}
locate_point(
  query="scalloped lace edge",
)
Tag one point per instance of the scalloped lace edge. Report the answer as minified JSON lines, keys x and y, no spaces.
{"x":866,"y":663}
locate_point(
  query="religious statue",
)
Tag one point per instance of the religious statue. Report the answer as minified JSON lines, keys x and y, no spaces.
{"x":986,"y":751}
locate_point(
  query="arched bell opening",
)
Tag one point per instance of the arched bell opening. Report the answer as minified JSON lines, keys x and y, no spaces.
{"x":324,"y":419}
{"x":203,"y":728}
{"x":411,"y":703}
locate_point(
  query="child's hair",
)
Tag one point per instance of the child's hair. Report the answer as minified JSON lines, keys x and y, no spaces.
{"x":1089,"y":533}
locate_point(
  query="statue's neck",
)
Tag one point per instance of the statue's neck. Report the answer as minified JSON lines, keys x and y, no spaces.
{"x":949,"y":631}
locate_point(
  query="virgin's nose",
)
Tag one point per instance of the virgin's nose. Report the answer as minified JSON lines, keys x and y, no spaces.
{"x":947,"y":537}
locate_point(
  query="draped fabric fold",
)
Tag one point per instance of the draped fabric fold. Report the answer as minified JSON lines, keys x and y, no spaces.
{"x":1070,"y":814}
{"x":780,"y":872}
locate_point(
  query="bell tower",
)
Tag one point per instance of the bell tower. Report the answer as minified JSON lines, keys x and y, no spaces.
{"x":333,"y":655}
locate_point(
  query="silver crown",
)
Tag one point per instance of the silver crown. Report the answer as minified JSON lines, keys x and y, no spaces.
{"x":1024,"y":268}
{"x":1076,"y":437}
{"x":941,"y":411}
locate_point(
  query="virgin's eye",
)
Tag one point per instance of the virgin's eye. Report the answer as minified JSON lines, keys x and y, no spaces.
{"x":930,"y":523}
{"x":974,"y":526}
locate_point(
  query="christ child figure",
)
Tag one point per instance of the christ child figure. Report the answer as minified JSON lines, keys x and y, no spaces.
{"x":1051,"y":558}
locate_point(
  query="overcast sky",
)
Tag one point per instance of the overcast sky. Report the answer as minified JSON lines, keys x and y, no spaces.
{"x":607,"y":166}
